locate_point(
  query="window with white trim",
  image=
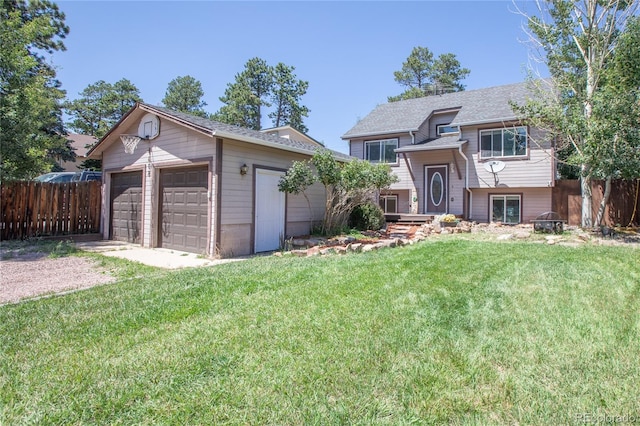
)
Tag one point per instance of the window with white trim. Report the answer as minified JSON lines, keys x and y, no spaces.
{"x":389,"y":203}
{"x":446,"y":129}
{"x":381,"y":151}
{"x":506,"y":208}
{"x":511,"y":142}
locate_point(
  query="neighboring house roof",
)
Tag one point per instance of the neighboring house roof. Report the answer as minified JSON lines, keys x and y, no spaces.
{"x":79,"y":143}
{"x":290,"y":132}
{"x":475,"y":107}
{"x":214,"y":128}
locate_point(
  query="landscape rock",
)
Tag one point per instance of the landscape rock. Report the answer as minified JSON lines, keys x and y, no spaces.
{"x":504,"y":237}
{"x":313,"y":251}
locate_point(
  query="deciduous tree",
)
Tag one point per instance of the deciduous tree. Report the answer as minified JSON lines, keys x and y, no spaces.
{"x":346,"y":185}
{"x":581,"y":44}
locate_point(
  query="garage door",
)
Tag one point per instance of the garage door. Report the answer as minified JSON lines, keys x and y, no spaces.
{"x":183,"y":209}
{"x":126,"y":207}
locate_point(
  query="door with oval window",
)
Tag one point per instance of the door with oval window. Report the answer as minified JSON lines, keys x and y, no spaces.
{"x":435,"y":189}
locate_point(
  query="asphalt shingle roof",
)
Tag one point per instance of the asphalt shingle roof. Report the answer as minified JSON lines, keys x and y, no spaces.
{"x":444,"y":142}
{"x":242,"y":132}
{"x":476,"y":106}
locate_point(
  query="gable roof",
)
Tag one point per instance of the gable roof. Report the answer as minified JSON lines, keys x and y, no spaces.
{"x":79,"y":143}
{"x":215,"y":129}
{"x":475,"y":107}
{"x":290,"y":132}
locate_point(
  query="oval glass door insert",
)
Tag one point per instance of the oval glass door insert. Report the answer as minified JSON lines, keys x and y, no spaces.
{"x":436,"y":188}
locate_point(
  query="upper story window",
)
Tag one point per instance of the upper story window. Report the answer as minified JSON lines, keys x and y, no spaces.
{"x":503,"y":142}
{"x":381,"y":151}
{"x":445,"y":129}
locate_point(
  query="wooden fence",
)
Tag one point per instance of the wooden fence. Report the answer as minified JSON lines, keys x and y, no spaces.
{"x":567,"y":201}
{"x":34,"y":209}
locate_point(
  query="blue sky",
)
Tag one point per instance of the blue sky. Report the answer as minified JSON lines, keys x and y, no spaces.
{"x":347,"y":51}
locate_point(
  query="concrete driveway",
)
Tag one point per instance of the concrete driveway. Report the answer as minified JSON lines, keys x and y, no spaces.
{"x":158,"y":257}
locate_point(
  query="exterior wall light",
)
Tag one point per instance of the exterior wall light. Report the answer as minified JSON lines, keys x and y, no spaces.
{"x":244,"y":169}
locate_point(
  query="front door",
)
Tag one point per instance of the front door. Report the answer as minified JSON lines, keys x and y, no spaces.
{"x":435,"y":189}
{"x":269,"y":211}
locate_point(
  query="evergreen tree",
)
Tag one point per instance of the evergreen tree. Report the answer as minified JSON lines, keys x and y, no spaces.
{"x":260,"y":86}
{"x":245,"y":98}
{"x":32,"y":133}
{"x":285,"y":96}
{"x":422,"y":75}
{"x":185,"y":94}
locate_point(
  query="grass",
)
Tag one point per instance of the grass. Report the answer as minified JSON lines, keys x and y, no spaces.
{"x":446,"y":331}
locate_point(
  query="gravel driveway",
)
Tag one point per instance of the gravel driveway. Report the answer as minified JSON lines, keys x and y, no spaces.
{"x":30,"y":274}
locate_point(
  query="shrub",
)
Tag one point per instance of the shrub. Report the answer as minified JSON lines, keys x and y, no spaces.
{"x":367,"y":216}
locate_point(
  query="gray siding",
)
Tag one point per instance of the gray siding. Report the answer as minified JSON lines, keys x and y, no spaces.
{"x":534,"y":170}
{"x":438,"y":119}
{"x":533,"y":202}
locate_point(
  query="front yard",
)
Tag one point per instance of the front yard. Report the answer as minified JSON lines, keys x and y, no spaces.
{"x":444,"y":331}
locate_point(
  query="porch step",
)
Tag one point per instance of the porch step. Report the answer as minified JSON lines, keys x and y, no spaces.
{"x":408,"y":219}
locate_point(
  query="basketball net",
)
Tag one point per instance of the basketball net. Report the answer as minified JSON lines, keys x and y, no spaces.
{"x":130,"y":142}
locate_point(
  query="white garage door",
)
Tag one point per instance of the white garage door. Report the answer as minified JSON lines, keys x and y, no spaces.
{"x":270,"y":205}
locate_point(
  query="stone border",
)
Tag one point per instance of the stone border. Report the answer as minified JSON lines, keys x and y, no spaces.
{"x":396,"y":235}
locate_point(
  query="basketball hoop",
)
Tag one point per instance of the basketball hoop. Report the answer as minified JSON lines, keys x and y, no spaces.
{"x":130,"y":142}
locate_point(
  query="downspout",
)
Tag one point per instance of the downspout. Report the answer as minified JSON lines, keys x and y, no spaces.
{"x":413,"y":137}
{"x":466,"y":180}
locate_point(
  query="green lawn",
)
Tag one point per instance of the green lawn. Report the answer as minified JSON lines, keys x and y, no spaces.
{"x":445,"y":331}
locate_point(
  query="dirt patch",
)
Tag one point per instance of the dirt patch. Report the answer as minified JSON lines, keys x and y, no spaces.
{"x":31,"y":274}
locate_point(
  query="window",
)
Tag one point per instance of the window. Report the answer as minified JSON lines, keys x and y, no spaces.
{"x":382,"y":151}
{"x":445,"y":129}
{"x":505,"y":208}
{"x":503,"y":142}
{"x":389,"y":203}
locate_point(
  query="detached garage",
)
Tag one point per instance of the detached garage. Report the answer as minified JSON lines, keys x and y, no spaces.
{"x":176,"y":181}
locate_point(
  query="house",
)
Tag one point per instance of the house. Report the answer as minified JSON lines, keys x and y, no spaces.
{"x":291,"y":133}
{"x":182,"y":182}
{"x":80,"y":144}
{"x":464,"y":153}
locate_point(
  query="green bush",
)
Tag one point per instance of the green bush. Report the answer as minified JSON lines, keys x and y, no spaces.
{"x":368,"y":216}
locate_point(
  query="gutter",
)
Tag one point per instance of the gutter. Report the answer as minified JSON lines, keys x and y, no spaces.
{"x":377,"y":133}
{"x":466,"y":180}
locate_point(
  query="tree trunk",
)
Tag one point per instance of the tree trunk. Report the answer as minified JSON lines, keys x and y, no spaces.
{"x":585,"y":189}
{"x":604,"y":202}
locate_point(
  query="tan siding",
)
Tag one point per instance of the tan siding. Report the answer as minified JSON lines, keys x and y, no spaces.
{"x":235,"y":240}
{"x":534,"y":201}
{"x":237,"y":190}
{"x":174,"y":146}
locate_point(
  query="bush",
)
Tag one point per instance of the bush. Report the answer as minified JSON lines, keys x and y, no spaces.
{"x":368,"y":216}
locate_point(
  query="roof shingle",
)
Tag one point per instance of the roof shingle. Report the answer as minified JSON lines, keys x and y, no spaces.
{"x":476,"y":106}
